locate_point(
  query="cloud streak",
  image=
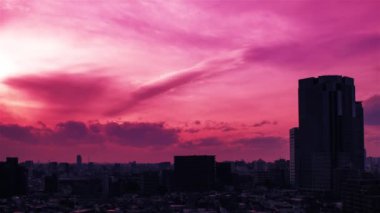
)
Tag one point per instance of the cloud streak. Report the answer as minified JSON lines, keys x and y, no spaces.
{"x":210,"y":68}
{"x":62,"y":89}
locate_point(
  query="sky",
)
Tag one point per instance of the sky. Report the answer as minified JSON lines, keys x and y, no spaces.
{"x":120,"y":81}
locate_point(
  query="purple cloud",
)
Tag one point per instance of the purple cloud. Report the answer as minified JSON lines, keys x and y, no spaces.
{"x":71,"y":130}
{"x":202,"y":143}
{"x":192,"y":130}
{"x":265,"y":142}
{"x":264,"y":122}
{"x":15,"y":132}
{"x":62,"y":89}
{"x":141,"y":134}
{"x":372,"y":110}
{"x":74,"y":132}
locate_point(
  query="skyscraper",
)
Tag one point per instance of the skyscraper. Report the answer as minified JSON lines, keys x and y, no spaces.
{"x":79,"y":160}
{"x":330,"y":133}
{"x":294,"y":156}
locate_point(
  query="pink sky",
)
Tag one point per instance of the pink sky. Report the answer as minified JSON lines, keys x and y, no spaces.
{"x":146,"y":80}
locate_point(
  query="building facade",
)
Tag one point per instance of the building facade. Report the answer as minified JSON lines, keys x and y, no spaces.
{"x":194,"y":173}
{"x":330,"y":135}
{"x":13,"y":178}
{"x":294,"y":161}
{"x":361,"y":195}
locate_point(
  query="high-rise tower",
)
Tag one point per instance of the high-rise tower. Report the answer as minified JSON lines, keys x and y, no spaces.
{"x":79,"y":160}
{"x":331,"y":132}
{"x":294,"y":156}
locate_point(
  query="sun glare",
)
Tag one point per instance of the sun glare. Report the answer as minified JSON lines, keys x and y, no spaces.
{"x":7,"y":66}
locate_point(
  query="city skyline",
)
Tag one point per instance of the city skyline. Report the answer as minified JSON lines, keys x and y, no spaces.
{"x":292,"y":138}
{"x":144,"y":81}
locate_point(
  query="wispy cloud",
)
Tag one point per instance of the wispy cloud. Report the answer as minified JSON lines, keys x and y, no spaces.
{"x":210,"y":68}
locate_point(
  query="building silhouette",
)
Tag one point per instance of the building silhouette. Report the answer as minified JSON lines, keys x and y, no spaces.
{"x":194,"y":173}
{"x":79,"y":160}
{"x":13,"y":178}
{"x":361,"y":195}
{"x":330,"y":135}
{"x":294,"y":156}
{"x":51,"y":184}
{"x":279,"y":173}
{"x":150,"y":182}
{"x":224,"y":174}
{"x":82,"y":186}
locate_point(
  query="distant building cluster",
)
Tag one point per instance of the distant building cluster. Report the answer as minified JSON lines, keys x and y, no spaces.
{"x":187,"y":174}
{"x":372,"y":165}
{"x":190,"y":177}
{"x":192,"y":183}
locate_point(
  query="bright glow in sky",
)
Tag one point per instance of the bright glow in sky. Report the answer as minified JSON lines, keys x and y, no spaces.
{"x":129,"y":80}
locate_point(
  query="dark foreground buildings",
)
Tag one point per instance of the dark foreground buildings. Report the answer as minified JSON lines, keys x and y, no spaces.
{"x":13,"y":178}
{"x":361,"y":195}
{"x":194,"y":173}
{"x":328,"y":145}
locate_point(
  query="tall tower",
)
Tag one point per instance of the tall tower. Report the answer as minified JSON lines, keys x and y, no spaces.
{"x":79,"y":160}
{"x":294,"y":156}
{"x":330,"y":133}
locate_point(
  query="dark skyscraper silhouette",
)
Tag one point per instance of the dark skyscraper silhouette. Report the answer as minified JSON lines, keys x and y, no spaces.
{"x":224,"y":174}
{"x":294,"y":156}
{"x":79,"y":160}
{"x":330,"y":134}
{"x":13,"y":178}
{"x":194,"y":173}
